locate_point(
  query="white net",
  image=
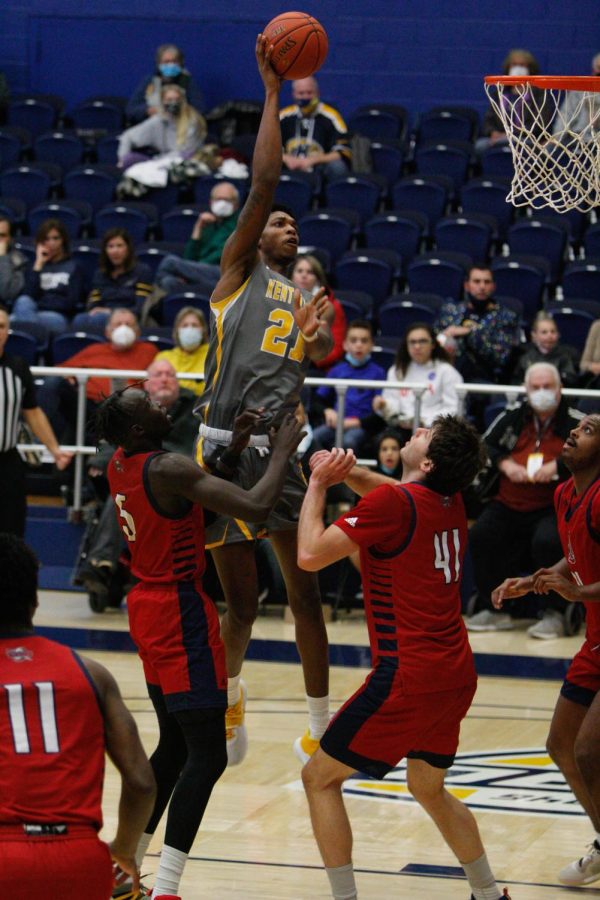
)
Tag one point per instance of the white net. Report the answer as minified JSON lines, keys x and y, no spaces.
{"x":554,"y":136}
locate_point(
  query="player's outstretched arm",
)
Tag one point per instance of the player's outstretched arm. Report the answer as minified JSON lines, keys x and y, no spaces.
{"x":240,"y":252}
{"x":319,"y":546}
{"x":138,"y":788}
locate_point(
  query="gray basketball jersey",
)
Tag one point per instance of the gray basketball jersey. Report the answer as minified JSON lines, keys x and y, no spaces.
{"x":256,"y":351}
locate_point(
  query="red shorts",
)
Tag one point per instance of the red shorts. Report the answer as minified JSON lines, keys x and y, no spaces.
{"x":53,"y":867}
{"x":381,"y":724}
{"x":583,"y":676}
{"x":176,"y":630}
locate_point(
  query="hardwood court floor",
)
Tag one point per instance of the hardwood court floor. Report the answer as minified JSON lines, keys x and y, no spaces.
{"x":256,"y":840}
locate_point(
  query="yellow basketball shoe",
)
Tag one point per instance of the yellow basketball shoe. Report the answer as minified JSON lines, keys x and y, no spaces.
{"x":305,"y":746}
{"x":235,"y":729}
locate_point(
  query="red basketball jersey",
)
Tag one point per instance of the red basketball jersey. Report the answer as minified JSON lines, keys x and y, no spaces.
{"x":163,"y":549}
{"x":51,"y":735}
{"x":412,"y":542}
{"x":579,"y":529}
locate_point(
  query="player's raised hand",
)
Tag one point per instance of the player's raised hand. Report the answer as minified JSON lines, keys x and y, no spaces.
{"x":270,"y":78}
{"x":334,"y":468}
{"x":243,"y":426}
{"x":511,"y":588}
{"x":317,"y":458}
{"x":309,"y":316}
{"x":287,"y":437}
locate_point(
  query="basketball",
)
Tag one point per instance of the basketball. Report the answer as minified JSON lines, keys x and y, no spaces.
{"x":299,"y":44}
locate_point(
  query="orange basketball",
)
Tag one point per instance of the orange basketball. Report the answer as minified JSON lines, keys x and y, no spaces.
{"x":299,"y":44}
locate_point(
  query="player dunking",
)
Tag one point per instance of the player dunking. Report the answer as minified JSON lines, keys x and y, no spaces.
{"x":262,"y":338}
{"x":59,"y":713}
{"x":574,"y":739}
{"x":174,"y":625}
{"x":412,"y":537}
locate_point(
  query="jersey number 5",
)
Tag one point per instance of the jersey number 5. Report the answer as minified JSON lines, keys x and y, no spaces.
{"x":275,"y":337}
{"x":444,"y":554}
{"x":127,"y":525}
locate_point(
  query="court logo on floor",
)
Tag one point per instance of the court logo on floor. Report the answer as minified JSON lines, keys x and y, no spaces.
{"x":518,"y":782}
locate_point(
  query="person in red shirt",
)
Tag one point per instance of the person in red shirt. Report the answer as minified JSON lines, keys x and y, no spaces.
{"x":574,"y":739}
{"x":160,"y":499}
{"x":411,"y":537}
{"x":59,"y":714}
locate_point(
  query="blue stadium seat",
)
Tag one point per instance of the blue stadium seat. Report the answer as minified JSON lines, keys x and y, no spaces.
{"x":465,"y":234}
{"x":360,"y":192}
{"x":497,"y":162}
{"x":424,"y":195}
{"x":323,"y":229}
{"x":395,"y":316}
{"x":523,"y":280}
{"x":438,"y":273}
{"x":364,"y":273}
{"x":91,"y":183}
{"x":488,"y":196}
{"x":445,"y":124}
{"x":98,"y":115}
{"x":169,"y":306}
{"x":375,"y":123}
{"x":155,"y":336}
{"x":449,"y":159}
{"x":295,"y":192}
{"x":26,"y":246}
{"x":177,"y":224}
{"x":320,"y":253}
{"x":30,"y":183}
{"x":384,"y":254}
{"x":37,"y":116}
{"x":87,"y":255}
{"x":402,"y":232}
{"x":356,"y":304}
{"x":38,"y":332}
{"x":573,"y":324}
{"x":69,"y":215}
{"x":64,"y":346}
{"x":163,"y":199}
{"x":15,"y":211}
{"x":591,"y":241}
{"x":153,"y":253}
{"x":20,"y":343}
{"x":592,"y":307}
{"x":582,"y":279}
{"x":135,"y":216}
{"x":387,"y":160}
{"x":66,"y":150}
{"x":106,"y":149}
{"x":542,"y":238}
{"x":11,"y":148}
{"x":419,"y":298}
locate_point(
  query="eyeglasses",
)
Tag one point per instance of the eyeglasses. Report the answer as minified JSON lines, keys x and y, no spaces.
{"x":419,"y":341}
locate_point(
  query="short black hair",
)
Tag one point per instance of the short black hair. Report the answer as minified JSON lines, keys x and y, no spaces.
{"x":481,"y":266}
{"x":360,"y":323}
{"x":457,"y":453}
{"x":19,"y":566}
{"x":114,"y":419}
{"x":281,"y":207}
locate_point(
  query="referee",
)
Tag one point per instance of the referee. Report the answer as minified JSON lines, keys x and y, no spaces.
{"x":17,"y":397}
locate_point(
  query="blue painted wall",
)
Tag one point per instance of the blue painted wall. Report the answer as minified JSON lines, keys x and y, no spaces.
{"x":414,"y":52}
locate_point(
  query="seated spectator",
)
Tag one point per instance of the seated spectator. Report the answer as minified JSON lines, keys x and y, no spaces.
{"x":97,"y":570}
{"x":314,"y":134}
{"x":190,"y":333}
{"x":122,"y":350}
{"x":389,"y":444}
{"x":120,"y":281}
{"x":590,"y":368}
{"x":175,"y":128}
{"x":579,"y":112}
{"x":517,"y":63}
{"x":420,"y":358}
{"x":309,"y":275}
{"x":199,"y":268}
{"x":358,"y":346}
{"x":545,"y":347}
{"x":518,"y":526}
{"x":13,"y":265}
{"x":169,"y":69}
{"x":54,"y":284}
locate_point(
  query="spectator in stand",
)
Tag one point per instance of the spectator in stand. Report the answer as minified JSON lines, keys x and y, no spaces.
{"x":590,"y":368}
{"x":578,"y":111}
{"x":145,"y":100}
{"x":308,"y":274}
{"x":199,"y":268}
{"x":122,"y":350}
{"x":358,"y":346}
{"x":190,"y":333}
{"x":545,"y":347}
{"x":313,"y":133}
{"x":54,"y":284}
{"x":120,"y":281}
{"x":419,"y":358}
{"x":389,"y":445}
{"x":518,"y":526}
{"x":175,"y":128}
{"x":13,"y":265}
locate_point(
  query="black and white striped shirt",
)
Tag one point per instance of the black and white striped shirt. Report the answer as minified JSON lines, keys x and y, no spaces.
{"x":17,"y":392}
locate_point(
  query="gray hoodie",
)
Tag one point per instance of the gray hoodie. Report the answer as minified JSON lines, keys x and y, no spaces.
{"x":12,"y":275}
{"x":160,"y":133}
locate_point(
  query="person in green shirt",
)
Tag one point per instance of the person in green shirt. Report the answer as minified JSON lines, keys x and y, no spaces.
{"x":199,"y":268}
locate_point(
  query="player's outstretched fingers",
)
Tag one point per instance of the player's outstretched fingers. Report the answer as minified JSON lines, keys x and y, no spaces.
{"x":317,"y":457}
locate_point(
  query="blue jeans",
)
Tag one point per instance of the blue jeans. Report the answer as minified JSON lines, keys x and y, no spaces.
{"x":26,"y":310}
{"x":176,"y":274}
{"x":324,"y":438}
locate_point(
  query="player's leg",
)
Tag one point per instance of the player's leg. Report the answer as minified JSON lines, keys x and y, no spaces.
{"x":323,"y":777}
{"x":311,"y":638}
{"x":204,"y":735}
{"x":456,"y":824}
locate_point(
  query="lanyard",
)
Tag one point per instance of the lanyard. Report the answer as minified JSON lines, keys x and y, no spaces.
{"x":540,"y":430}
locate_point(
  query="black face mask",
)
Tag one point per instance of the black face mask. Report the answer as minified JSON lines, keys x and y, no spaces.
{"x":173,"y":108}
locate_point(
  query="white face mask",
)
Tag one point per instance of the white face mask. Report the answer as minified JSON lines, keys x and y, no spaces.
{"x":190,"y":336}
{"x":222,"y":209}
{"x":518,"y":71}
{"x":123,"y":336}
{"x":543,"y":399}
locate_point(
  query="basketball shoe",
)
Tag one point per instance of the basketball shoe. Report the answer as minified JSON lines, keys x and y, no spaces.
{"x":305,"y":746}
{"x":505,"y":895}
{"x":235,"y":729}
{"x":584,"y":870}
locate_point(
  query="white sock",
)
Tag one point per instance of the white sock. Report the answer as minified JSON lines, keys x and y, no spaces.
{"x":341,"y":879}
{"x":233,"y":690}
{"x":482,"y":882}
{"x":142,"y":847}
{"x":318,"y":716}
{"x":170,"y":870}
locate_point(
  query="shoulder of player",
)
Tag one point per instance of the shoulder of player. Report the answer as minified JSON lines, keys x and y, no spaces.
{"x":170,"y":464}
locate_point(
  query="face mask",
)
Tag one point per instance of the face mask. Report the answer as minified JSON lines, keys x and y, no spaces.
{"x":387,"y":470}
{"x":222,"y":209}
{"x":190,"y":336}
{"x":518,"y":71}
{"x":169,"y":70}
{"x":123,"y":336}
{"x":173,"y":108}
{"x":308,"y":105}
{"x":357,"y":362}
{"x":543,"y":399}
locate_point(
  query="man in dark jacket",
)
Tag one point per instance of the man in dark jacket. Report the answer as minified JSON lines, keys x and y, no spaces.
{"x":518,"y":526}
{"x":12,"y":266}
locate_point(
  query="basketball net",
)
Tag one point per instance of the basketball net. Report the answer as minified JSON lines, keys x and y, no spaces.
{"x":553,"y":129}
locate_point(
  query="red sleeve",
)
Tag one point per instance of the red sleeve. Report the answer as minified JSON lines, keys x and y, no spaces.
{"x":338,"y":333}
{"x":383,"y":518}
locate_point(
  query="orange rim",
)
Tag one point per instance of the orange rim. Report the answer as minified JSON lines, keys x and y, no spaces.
{"x":556,"y":82}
